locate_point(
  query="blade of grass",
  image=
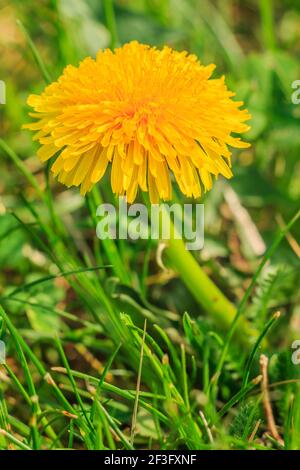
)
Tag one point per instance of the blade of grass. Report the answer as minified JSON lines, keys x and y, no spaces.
{"x":129,"y":395}
{"x":138,"y":386}
{"x":115,"y":428}
{"x":35,"y":53}
{"x":51,"y":277}
{"x":238,"y":396}
{"x":73,"y":383}
{"x":22,"y":167}
{"x":185,"y":379}
{"x":37,"y":363}
{"x":32,"y":395}
{"x":259,"y":340}
{"x":109,"y":246}
{"x":13,"y":439}
{"x":103,"y":376}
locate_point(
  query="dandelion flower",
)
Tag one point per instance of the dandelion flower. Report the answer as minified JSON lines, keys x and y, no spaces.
{"x":143,"y":113}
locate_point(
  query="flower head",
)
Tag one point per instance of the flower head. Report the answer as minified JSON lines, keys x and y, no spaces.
{"x":144,"y":112}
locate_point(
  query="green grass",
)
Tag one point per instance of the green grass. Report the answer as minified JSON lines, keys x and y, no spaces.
{"x":105,"y":350}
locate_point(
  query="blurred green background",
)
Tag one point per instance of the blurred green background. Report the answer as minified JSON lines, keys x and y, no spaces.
{"x":256,"y":44}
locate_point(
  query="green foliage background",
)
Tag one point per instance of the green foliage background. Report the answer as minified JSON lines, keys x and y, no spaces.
{"x":90,"y":322}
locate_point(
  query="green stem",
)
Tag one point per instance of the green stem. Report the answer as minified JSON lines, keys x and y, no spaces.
{"x":203,"y":289}
{"x":110,"y":20}
{"x":267,"y":24}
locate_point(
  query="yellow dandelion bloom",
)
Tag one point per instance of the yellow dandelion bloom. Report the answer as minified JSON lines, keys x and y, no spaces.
{"x":144,"y":112}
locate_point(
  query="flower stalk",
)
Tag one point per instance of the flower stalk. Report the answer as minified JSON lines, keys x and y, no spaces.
{"x":204,"y":290}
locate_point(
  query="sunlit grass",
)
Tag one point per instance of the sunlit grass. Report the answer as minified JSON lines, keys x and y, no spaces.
{"x":105,"y":349}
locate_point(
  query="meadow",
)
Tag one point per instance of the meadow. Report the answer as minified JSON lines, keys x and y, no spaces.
{"x":140,"y":344}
